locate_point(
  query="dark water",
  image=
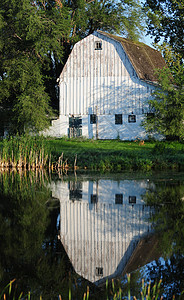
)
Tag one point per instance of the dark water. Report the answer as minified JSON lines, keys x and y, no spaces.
{"x":69,"y":232}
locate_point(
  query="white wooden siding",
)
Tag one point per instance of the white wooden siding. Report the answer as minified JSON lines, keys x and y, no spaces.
{"x":101,"y":78}
{"x":103,"y":234}
{"x":101,"y":82}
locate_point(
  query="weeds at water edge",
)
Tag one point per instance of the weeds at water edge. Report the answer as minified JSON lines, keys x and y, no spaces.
{"x":148,"y":292}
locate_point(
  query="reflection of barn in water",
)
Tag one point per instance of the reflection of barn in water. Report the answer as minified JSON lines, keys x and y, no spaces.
{"x":101,"y":224}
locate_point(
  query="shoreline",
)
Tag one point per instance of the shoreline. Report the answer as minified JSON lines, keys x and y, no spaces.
{"x":32,"y":153}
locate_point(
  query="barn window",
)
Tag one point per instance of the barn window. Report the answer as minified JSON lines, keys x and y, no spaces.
{"x":75,"y":189}
{"x":75,"y":122}
{"x":98,"y":45}
{"x":118,"y":119}
{"x":99,"y":271}
{"x":93,"y":119}
{"x":94,"y":199}
{"x":75,"y":127}
{"x":132,"y":199}
{"x":131,"y":118}
{"x":118,"y":198}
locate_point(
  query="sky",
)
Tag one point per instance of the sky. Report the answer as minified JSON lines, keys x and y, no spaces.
{"x":147,"y":40}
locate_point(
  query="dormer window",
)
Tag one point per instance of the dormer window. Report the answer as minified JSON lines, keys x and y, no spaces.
{"x":98,"y":45}
{"x":99,"y":271}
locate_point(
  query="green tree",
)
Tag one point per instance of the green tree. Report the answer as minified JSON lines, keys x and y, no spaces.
{"x":167,"y":219}
{"x":29,"y":33}
{"x":166,"y":22}
{"x":36,"y":38}
{"x":113,"y":16}
{"x":167,"y":106}
{"x":123,"y":17}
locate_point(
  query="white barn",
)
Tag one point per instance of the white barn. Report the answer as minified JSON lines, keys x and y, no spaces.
{"x":100,"y":227}
{"x":104,"y":87}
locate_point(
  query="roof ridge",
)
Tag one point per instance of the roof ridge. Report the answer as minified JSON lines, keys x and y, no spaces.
{"x":126,"y":40}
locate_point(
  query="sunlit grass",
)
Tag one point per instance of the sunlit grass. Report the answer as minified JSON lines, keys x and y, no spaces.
{"x":97,"y":155}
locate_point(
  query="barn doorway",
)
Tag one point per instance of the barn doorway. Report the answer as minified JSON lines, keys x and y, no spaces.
{"x":75,"y":127}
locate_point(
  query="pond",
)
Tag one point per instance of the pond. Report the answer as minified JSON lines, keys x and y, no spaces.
{"x":62,"y":233}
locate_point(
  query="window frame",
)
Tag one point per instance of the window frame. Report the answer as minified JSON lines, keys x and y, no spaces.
{"x":93,"y":118}
{"x":132,"y":118}
{"x":94,"y":198}
{"x":117,"y":121}
{"x":99,"y":271}
{"x":119,"y":199}
{"x":132,"y":199}
{"x":98,"y":45}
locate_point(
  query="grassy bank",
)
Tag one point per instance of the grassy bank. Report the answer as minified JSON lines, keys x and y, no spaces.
{"x":96,"y":155}
{"x":116,"y":156}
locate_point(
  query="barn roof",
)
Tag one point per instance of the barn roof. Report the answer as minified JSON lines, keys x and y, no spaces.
{"x":144,"y":59}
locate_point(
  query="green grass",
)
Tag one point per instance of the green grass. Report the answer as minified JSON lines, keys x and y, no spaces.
{"x":115,"y":155}
{"x":96,"y":155}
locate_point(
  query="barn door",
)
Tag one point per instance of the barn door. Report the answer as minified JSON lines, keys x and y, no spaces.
{"x":75,"y":127}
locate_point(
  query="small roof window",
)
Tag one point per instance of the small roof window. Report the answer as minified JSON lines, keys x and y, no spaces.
{"x":98,"y":45}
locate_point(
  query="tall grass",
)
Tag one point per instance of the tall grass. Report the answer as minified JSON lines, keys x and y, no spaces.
{"x":25,"y":151}
{"x":148,"y":292}
{"x":30,"y":152}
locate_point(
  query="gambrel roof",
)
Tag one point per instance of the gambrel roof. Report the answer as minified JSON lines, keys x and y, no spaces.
{"x":143,"y":58}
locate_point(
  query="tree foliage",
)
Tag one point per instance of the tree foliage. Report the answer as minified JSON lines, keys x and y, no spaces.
{"x":114,"y":16}
{"x":166,"y":22}
{"x":168,"y":222}
{"x":167,"y":107}
{"x":167,"y":219}
{"x":28,"y":34}
{"x":36,"y":38}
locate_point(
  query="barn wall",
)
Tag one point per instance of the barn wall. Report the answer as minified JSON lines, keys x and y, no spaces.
{"x":101,"y":78}
{"x":101,"y":82}
{"x":107,"y":129}
{"x":58,"y":127}
{"x":104,"y":234}
{"x":101,"y":236}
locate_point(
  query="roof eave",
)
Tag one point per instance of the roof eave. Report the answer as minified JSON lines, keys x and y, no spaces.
{"x":155,"y":83}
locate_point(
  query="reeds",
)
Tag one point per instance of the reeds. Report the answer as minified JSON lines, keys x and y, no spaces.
{"x":31,"y":153}
{"x":148,"y":292}
{"x":23,"y":152}
{"x":22,"y":181}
